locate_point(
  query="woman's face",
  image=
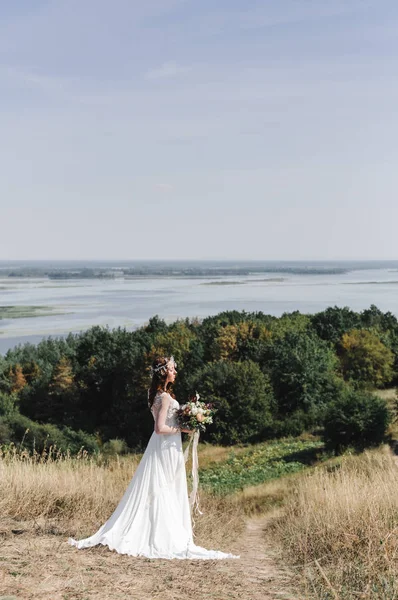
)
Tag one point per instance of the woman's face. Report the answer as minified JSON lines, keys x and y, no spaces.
{"x":171,"y":372}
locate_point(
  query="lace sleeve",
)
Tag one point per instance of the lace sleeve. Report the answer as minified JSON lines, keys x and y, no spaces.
{"x":164,"y":415}
{"x":157,"y":403}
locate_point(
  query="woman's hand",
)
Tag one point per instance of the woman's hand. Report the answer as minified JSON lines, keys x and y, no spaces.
{"x":186,"y":430}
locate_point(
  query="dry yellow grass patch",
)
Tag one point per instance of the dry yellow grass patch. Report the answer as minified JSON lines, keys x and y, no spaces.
{"x":60,"y":486}
{"x":267,"y":497}
{"x":79,"y":494}
{"x":340,"y":527}
{"x":44,"y":501}
{"x":210,"y":454}
{"x":387,"y":394}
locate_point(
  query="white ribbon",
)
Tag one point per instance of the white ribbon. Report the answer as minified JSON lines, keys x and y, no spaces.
{"x":194,"y":496}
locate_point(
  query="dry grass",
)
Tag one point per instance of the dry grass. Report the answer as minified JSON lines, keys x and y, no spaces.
{"x":209,"y":454}
{"x":337,"y":524}
{"x":266,"y":498}
{"x":340,"y":528}
{"x":389,"y":394}
{"x":44,"y":500}
{"x":56,"y":485}
{"x":79,"y":494}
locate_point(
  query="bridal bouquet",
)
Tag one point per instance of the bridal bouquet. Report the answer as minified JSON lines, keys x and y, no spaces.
{"x":195,"y":414}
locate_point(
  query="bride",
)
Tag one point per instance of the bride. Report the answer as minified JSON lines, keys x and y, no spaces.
{"x":153,"y":517}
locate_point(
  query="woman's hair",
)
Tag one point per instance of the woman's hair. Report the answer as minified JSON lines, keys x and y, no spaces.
{"x":159,"y":376}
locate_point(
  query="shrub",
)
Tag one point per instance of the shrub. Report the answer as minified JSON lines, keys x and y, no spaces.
{"x":5,"y":432}
{"x":23,"y":431}
{"x":8,"y":404}
{"x":356,"y":419}
{"x":115,"y":446}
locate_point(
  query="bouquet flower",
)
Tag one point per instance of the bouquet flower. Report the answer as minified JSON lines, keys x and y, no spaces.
{"x":195,"y":414}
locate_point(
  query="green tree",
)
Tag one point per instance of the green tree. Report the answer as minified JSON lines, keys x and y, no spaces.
{"x":384,"y":325}
{"x":373,"y":317}
{"x":243,"y":397}
{"x":290,"y":323}
{"x":303,"y":375}
{"x":242,"y":340}
{"x":112,"y":380}
{"x":365,"y":360}
{"x":175,"y":341}
{"x":225,"y":345}
{"x":156,"y":325}
{"x":333,"y":322}
{"x":356,"y":418}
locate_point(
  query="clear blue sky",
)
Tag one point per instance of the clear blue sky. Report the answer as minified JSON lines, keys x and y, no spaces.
{"x":199,"y":129}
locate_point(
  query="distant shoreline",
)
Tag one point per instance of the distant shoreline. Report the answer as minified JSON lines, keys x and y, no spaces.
{"x":184,"y":269}
{"x":150,"y":272}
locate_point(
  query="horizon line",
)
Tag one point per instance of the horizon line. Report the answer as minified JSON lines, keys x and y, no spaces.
{"x":187,"y":260}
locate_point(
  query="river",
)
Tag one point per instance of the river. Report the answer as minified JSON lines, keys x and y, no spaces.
{"x":79,"y":304}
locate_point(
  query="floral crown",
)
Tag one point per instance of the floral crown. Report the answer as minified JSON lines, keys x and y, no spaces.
{"x":162,"y":368}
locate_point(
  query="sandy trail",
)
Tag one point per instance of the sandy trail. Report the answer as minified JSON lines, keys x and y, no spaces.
{"x":261,"y":570}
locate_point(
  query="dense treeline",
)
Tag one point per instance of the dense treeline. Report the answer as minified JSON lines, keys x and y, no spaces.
{"x":267,"y":376}
{"x":173,"y":270}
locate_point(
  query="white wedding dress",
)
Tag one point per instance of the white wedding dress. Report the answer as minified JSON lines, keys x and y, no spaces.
{"x":153,"y":518}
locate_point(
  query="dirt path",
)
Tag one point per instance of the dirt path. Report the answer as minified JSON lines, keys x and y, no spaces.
{"x":46,"y":567}
{"x":264,"y":577}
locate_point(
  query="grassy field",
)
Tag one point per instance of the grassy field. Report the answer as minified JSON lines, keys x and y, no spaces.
{"x":81,"y":491}
{"x":315,"y":530}
{"x":46,"y":499}
{"x":257,"y":464}
{"x":340,"y":528}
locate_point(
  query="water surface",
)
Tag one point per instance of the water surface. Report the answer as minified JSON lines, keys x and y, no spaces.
{"x":81,"y":303}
